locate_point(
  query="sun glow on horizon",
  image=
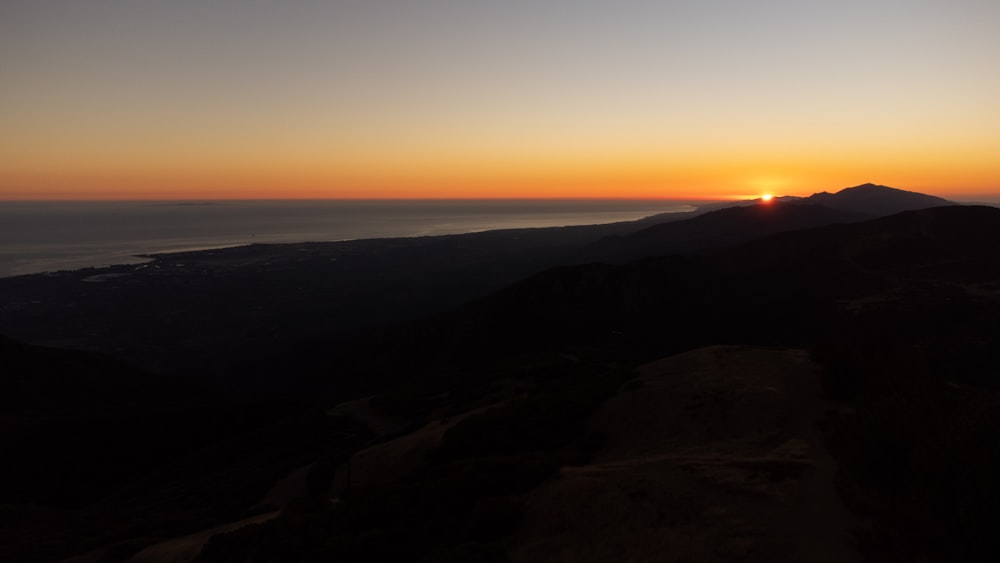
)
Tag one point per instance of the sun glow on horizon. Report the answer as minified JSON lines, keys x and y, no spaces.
{"x":363,"y":99}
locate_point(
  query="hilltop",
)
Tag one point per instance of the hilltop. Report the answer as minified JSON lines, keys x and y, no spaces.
{"x":875,"y":200}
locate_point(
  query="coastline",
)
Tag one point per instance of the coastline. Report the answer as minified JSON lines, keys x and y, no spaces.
{"x":26,"y":258}
{"x":288,"y":296}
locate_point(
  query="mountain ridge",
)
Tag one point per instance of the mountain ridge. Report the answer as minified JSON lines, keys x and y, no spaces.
{"x":747,"y":220}
{"x":877,"y":200}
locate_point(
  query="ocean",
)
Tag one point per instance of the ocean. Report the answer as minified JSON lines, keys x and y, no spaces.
{"x":40,"y":237}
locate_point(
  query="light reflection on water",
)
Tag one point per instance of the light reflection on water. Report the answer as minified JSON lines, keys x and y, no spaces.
{"x":50,"y":236}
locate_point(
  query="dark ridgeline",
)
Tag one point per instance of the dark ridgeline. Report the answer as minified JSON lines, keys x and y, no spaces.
{"x":732,"y":225}
{"x":894,"y":293}
{"x":103,"y":458}
{"x":875,"y":201}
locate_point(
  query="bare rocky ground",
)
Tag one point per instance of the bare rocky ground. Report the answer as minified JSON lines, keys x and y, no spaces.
{"x":711,"y":455}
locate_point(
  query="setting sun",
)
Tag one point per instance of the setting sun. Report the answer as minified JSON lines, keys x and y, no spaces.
{"x":766,"y":197}
{"x":377,"y":99}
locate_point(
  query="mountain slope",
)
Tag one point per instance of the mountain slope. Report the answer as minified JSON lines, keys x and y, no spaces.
{"x":743,"y":222}
{"x":876,"y":200}
{"x":783,"y":289}
{"x":903,"y":313}
{"x":718,"y":449}
{"x":718,"y":229}
{"x":100,"y":456}
{"x":36,"y":378}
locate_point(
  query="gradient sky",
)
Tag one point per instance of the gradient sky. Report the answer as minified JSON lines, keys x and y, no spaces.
{"x":480,"y":98}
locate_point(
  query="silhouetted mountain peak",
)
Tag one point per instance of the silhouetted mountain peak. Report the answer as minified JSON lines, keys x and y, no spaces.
{"x":876,"y":200}
{"x":871,"y":186}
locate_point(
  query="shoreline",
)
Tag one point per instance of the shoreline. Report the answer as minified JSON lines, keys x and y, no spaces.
{"x":146,"y":258}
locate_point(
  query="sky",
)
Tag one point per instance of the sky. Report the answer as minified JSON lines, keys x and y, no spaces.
{"x":164,"y":99}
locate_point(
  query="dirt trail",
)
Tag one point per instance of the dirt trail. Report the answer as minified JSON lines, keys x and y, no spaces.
{"x":823,"y":523}
{"x":378,"y":422}
{"x":712,"y":455}
{"x":387,"y":461}
{"x":188,"y":548}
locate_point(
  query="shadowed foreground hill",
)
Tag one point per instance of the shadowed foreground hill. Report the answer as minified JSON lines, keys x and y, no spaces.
{"x":531,"y":443}
{"x":548,"y":452}
{"x":710,"y":455}
{"x":102,"y":458}
{"x":903,"y":312}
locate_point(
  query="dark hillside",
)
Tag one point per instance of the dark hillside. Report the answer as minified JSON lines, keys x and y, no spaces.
{"x":42,"y":379}
{"x":735,"y":224}
{"x":718,"y":229}
{"x":100,"y":455}
{"x":778,"y":289}
{"x":901,"y":312}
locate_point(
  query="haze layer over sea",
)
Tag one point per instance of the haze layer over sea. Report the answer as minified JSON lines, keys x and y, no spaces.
{"x":50,"y":236}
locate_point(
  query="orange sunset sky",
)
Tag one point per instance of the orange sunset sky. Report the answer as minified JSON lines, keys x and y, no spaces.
{"x":106,"y":99}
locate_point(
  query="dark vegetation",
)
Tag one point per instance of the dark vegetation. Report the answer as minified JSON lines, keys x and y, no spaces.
{"x":462,"y":500}
{"x":920,"y":451}
{"x":102,"y":456}
{"x":902,"y":311}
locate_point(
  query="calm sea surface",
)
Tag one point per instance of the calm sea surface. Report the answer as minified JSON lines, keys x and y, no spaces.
{"x":51,"y":236}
